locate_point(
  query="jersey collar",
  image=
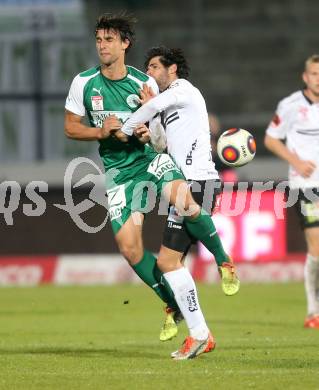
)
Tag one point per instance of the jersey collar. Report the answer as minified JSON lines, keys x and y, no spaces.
{"x":306,"y":97}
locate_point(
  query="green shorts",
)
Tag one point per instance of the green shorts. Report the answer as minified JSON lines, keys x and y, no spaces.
{"x":141,"y":192}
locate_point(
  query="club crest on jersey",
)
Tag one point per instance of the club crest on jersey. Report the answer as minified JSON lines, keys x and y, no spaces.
{"x":303,"y":111}
{"x":97,"y":103}
{"x":133,"y":100}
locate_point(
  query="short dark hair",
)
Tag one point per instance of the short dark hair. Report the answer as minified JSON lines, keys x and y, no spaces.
{"x":169,"y":57}
{"x":122,"y":23}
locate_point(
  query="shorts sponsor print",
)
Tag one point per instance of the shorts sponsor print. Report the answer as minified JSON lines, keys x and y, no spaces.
{"x":161,"y":164}
{"x":140,"y":192}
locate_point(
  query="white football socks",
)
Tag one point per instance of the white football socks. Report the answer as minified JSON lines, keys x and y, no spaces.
{"x":183,"y":286}
{"x":312,"y":284}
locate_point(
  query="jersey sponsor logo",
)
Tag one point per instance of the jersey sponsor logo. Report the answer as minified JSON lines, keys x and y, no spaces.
{"x":116,"y":200}
{"x":275,"y":120}
{"x":133,"y":101}
{"x":160,"y":165}
{"x":98,"y":117}
{"x":173,"y":85}
{"x":97,"y":103}
{"x":189,"y":157}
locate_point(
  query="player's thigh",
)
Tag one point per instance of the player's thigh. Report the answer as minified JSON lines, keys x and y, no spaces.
{"x":125,"y":206}
{"x":163,"y":172}
{"x":176,"y":236}
{"x":188,"y":196}
{"x":205,"y":193}
{"x":312,"y":238}
{"x":169,"y":259}
{"x":178,"y":194}
{"x":129,"y":238}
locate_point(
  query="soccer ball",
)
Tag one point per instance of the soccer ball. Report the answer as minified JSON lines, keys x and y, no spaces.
{"x":236,"y":147}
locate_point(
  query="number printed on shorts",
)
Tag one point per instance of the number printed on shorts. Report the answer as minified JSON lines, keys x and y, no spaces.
{"x":117,"y":201}
{"x":160,"y":165}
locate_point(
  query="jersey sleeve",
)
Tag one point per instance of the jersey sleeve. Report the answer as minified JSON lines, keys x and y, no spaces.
{"x":281,"y":121}
{"x":74,"y":100}
{"x":157,"y":133}
{"x":152,"y":83}
{"x":174,"y":96}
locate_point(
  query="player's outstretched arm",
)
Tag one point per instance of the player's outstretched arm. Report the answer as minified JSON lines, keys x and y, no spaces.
{"x":150,"y":108}
{"x":157,"y":135}
{"x":304,"y":167}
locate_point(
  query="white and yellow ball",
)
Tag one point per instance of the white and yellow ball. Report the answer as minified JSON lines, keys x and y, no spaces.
{"x":236,"y":147}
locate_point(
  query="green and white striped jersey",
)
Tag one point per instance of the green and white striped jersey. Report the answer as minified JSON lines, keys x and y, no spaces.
{"x":92,"y":93}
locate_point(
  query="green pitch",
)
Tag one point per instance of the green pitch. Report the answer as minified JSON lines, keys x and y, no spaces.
{"x":87,"y":338}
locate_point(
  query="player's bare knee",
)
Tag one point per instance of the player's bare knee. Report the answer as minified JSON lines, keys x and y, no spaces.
{"x":169,"y":260}
{"x":194,"y":210}
{"x":167,"y":266}
{"x":188,"y":209}
{"x":131,"y":251}
{"x":314,"y":250}
{"x":161,"y":263}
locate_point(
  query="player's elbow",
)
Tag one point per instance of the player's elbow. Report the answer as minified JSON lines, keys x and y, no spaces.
{"x":68,"y":130}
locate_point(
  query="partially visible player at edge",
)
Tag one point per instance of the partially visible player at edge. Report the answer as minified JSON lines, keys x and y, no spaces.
{"x":109,"y":94}
{"x":297,"y":121}
{"x":187,"y":136}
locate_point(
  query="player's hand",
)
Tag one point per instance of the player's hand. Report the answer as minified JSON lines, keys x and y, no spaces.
{"x":305,"y":168}
{"x":142,"y":133}
{"x":120,"y":136}
{"x":111,"y":125}
{"x":146,"y":94}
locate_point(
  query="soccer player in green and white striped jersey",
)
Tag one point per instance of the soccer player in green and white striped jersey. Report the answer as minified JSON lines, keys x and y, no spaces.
{"x":108,"y":94}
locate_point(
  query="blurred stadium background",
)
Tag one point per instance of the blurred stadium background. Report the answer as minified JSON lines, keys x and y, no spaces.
{"x":244,"y":57}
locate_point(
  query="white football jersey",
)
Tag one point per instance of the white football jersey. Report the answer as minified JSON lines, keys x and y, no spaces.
{"x":297,"y":121}
{"x":185,"y":119}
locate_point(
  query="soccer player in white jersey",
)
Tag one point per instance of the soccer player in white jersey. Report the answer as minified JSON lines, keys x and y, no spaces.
{"x":108,"y":94}
{"x":185,"y":119}
{"x":297,"y":121}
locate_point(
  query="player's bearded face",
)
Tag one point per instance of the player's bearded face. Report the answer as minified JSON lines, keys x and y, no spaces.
{"x":311,"y":78}
{"x":158,"y":71}
{"x":109,"y":46}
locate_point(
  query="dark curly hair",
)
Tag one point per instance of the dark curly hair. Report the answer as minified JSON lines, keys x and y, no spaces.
{"x":169,"y":57}
{"x":122,"y":23}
